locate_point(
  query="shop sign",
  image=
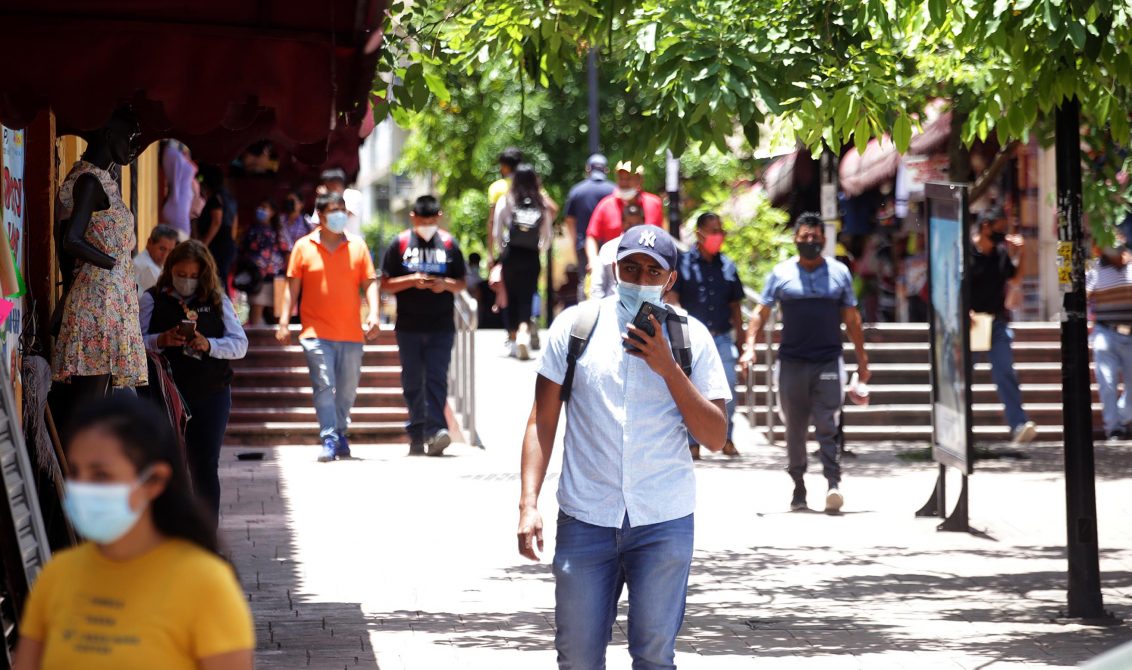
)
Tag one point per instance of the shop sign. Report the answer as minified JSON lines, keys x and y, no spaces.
{"x":13,"y":194}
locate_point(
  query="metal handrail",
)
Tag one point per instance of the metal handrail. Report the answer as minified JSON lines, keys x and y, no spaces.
{"x":462,"y":372}
{"x":748,"y":307}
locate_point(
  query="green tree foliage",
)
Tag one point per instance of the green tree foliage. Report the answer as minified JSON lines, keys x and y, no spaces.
{"x":703,"y":70}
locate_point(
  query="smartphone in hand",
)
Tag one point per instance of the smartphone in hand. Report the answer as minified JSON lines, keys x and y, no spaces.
{"x":188,"y":329}
{"x":641,"y":321}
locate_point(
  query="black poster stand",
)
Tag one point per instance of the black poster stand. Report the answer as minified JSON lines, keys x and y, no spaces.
{"x":949,"y":327}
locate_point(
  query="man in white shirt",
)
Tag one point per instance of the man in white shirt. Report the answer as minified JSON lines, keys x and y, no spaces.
{"x":148,"y":264}
{"x":627,"y":492}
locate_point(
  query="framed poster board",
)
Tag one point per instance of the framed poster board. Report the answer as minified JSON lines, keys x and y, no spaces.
{"x":949,"y":247}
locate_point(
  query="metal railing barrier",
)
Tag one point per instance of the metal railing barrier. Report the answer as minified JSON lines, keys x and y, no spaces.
{"x":462,"y":371}
{"x":753,"y":377}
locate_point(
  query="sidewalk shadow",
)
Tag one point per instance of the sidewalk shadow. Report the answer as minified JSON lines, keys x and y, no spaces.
{"x":291,"y":630}
{"x":751,"y":603}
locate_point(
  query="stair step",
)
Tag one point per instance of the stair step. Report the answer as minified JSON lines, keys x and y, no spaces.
{"x":265,"y":336}
{"x":307,"y":414}
{"x":300,"y":396}
{"x":258,"y":433}
{"x":372,"y":376}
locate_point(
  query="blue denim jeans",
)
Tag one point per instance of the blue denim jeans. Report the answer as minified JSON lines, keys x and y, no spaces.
{"x":336,"y":368}
{"x":1113,"y":355}
{"x":593,"y":563}
{"x":1002,"y":372}
{"x":729,"y":356}
{"x":424,"y":380}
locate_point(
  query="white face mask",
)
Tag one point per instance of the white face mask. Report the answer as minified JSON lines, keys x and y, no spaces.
{"x":626,"y":193}
{"x":185,"y":286}
{"x":426,"y":232}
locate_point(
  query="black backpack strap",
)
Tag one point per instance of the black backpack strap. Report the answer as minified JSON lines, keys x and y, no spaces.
{"x":680,"y":338}
{"x":580,"y":333}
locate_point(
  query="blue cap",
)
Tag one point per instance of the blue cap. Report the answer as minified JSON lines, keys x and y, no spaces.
{"x":651,"y":240}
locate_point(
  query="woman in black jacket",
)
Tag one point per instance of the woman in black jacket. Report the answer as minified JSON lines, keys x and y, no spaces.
{"x":188,"y":318}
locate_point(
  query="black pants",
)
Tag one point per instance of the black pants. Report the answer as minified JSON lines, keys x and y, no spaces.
{"x":203,"y":437}
{"x":521,"y":268}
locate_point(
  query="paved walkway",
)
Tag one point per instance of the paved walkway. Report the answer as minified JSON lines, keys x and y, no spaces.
{"x":395,"y":562}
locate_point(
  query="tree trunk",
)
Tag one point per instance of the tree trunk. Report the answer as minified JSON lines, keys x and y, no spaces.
{"x":959,"y":159}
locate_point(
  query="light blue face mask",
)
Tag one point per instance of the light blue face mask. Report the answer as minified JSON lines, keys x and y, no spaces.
{"x":632,"y":296}
{"x":336,"y":221}
{"x":101,"y":512}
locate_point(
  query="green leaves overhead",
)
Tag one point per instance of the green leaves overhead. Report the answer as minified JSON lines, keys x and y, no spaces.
{"x":713,"y":71}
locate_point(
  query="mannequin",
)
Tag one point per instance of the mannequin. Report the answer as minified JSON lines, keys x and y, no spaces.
{"x":99,"y":343}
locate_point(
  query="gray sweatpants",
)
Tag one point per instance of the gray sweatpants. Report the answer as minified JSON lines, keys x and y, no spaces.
{"x":811,"y":391}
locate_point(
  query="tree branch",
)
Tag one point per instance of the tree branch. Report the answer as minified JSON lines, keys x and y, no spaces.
{"x":984,"y":181}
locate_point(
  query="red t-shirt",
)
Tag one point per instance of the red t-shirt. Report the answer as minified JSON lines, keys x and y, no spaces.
{"x":605,"y":224}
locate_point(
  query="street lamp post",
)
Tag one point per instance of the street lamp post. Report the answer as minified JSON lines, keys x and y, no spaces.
{"x":1084,"y":592}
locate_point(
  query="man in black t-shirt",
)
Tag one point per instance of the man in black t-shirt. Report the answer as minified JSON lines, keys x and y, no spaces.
{"x":992,"y":269}
{"x":425,"y":269}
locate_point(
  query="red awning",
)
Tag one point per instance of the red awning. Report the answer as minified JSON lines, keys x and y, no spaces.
{"x":860,"y":172}
{"x":216,"y":74}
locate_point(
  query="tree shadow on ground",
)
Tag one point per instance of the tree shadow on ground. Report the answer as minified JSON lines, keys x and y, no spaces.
{"x":750,"y":603}
{"x":291,"y":630}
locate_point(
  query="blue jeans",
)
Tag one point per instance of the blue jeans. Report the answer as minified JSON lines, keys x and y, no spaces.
{"x":424,"y":380}
{"x":1001,"y":357}
{"x":729,"y":356}
{"x":1113,"y":355}
{"x":336,"y":368}
{"x":593,"y":563}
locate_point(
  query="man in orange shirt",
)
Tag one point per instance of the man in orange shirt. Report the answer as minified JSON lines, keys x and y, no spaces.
{"x":605,"y":223}
{"x":331,"y":271}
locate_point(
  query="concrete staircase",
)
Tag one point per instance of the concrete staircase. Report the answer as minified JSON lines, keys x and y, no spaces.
{"x":900,"y":409}
{"x":271,"y":395}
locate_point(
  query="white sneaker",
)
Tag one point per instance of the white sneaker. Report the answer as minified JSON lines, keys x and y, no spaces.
{"x":834,"y":500}
{"x":1025,"y":433}
{"x":523,"y":346}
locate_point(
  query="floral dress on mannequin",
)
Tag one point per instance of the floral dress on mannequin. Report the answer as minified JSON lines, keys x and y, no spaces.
{"x":100,"y":332}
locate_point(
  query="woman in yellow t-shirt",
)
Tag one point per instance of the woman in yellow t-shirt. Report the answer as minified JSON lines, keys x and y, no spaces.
{"x":149,"y":589}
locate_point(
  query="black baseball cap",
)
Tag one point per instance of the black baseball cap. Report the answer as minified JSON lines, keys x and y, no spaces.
{"x":651,"y":240}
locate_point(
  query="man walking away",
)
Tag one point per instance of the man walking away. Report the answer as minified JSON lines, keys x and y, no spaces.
{"x":1109,"y":287}
{"x":148,"y":264}
{"x":816,"y":296}
{"x":424,"y":269}
{"x":708,"y":286}
{"x":627,"y":491}
{"x":509,"y":159}
{"x":331,"y":270}
{"x":580,"y":204}
{"x":996,"y":261}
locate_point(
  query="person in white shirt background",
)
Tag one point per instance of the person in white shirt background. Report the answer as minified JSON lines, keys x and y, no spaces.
{"x":148,"y":264}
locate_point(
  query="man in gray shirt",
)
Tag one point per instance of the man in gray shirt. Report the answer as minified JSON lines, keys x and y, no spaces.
{"x":626,"y":496}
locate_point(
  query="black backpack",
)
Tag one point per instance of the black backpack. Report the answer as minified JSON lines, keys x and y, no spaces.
{"x":583,"y":329}
{"x":525,"y":226}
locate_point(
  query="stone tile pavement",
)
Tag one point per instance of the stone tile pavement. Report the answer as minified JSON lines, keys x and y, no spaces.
{"x":393,"y":562}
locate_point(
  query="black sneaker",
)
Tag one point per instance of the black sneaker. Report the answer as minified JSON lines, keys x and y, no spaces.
{"x":798,"y":502}
{"x":1119,"y":435}
{"x":416,"y":448}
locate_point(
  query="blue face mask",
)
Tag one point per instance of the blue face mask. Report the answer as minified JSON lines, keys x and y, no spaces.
{"x":101,"y":512}
{"x":632,"y":296}
{"x":336,"y":221}
{"x":262,"y":215}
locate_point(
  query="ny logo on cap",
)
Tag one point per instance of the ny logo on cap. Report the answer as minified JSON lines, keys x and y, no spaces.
{"x":648,"y":239}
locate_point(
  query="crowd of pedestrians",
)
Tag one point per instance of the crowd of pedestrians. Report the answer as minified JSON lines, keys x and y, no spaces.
{"x":644,"y":371}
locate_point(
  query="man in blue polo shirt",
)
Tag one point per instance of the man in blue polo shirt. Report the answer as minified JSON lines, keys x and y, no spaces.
{"x":708,"y":286}
{"x":580,"y":204}
{"x":816,"y":297}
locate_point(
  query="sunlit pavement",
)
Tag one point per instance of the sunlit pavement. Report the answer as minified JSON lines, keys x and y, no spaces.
{"x":396,"y":562}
